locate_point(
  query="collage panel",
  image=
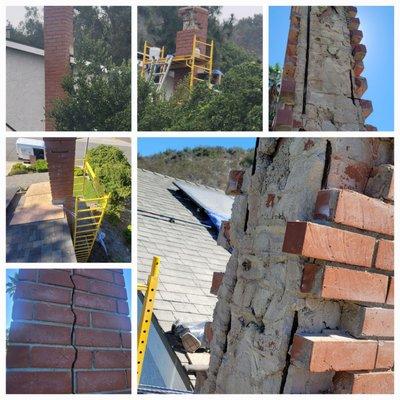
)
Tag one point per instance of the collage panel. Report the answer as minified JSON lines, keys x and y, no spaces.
{"x":325,"y":68}
{"x":272,"y":264}
{"x":68,"y":331}
{"x":68,"y":200}
{"x":200,"y":68}
{"x":68,"y":68}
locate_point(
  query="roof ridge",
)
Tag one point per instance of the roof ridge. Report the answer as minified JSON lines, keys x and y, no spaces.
{"x":182,"y":180}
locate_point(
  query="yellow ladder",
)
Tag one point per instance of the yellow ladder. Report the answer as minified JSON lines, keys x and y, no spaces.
{"x":88,"y":216}
{"x":204,"y":61}
{"x":147,"y":312}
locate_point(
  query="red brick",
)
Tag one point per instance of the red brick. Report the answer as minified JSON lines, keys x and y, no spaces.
{"x":84,"y":359}
{"x":81,"y":283}
{"x":208,"y":332}
{"x":364,"y":383}
{"x":353,"y":23}
{"x":284,"y":119}
{"x":50,"y":312}
{"x":362,"y":321}
{"x":17,"y":356}
{"x":103,"y":320}
{"x":112,"y":359}
{"x":366,"y":107}
{"x":108,"y":289}
{"x":55,"y":277}
{"x":126,"y":340}
{"x":361,"y":86}
{"x":23,"y":332}
{"x":33,"y":291}
{"x":358,"y":68}
{"x":353,"y":209}
{"x":100,"y":381}
{"x":288,"y":87}
{"x":351,"y":11}
{"x":385,"y":354}
{"x":355,"y":36}
{"x":122,"y":307}
{"x":325,"y":243}
{"x":390,"y":293}
{"x":95,"y":301}
{"x":381,"y":182}
{"x":321,"y":353}
{"x":38,"y":382}
{"x":96,"y":338}
{"x":216,"y":282}
{"x":22,"y":310}
{"x":385,"y":255}
{"x":52,"y":357}
{"x":329,"y":282}
{"x":235,"y":182}
{"x":359,"y":52}
{"x":119,"y":279}
{"x":100,"y":274}
{"x":27,"y":275}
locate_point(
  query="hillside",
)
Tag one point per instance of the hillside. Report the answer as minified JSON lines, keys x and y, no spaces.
{"x":204,"y":165}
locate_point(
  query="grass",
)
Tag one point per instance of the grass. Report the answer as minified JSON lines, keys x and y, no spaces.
{"x":90,"y":192}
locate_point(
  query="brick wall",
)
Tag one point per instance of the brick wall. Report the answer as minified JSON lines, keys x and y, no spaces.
{"x":70,"y":333}
{"x":306,"y":301}
{"x":58,"y":46}
{"x":60,"y":155}
{"x":322,"y":85}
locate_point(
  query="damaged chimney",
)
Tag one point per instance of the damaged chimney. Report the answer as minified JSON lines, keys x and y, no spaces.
{"x":58,"y":47}
{"x":60,"y":155}
{"x":195,"y":23}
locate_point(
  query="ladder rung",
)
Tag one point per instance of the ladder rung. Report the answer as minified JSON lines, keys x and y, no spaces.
{"x":86,"y":218}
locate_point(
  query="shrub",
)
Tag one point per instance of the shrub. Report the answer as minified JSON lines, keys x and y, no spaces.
{"x":78,"y":171}
{"x":18,"y":169}
{"x":40,"y":166}
{"x":113,"y":170}
{"x":128,"y":234}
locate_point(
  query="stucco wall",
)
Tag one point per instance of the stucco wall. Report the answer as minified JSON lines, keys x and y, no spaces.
{"x":25,"y":91}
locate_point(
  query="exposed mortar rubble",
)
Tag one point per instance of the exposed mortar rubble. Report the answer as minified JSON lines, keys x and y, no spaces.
{"x":322,"y":86}
{"x":265,"y":306}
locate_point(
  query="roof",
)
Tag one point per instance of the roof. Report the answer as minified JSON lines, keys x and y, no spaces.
{"x":172,"y":226}
{"x":23,"y":47}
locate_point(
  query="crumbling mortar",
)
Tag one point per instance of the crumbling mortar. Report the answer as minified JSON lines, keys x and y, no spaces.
{"x":73,"y":382}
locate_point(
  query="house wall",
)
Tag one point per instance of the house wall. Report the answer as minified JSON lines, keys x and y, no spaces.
{"x":306,"y":301}
{"x":70,"y":333}
{"x":25,"y":90}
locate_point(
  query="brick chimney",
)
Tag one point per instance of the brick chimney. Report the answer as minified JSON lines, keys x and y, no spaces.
{"x":195,"y":22}
{"x":58,"y":46}
{"x":60,"y":155}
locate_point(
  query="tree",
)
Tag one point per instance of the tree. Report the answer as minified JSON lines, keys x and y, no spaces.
{"x":98,"y":92}
{"x":236,"y":106}
{"x":30,"y":30}
{"x":11,"y":285}
{"x":274,"y":84}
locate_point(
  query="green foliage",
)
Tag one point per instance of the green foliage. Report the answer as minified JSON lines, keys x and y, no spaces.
{"x":98,"y":98}
{"x":29,"y":31}
{"x":204,"y":165}
{"x":274,"y":84}
{"x":12,"y":284}
{"x":19,"y":169}
{"x":113,"y":170}
{"x":40,"y":166}
{"x":236,"y":106}
{"x":128,"y":234}
{"x":78,"y":171}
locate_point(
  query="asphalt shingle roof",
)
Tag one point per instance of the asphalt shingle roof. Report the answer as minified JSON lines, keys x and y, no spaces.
{"x":189,"y":252}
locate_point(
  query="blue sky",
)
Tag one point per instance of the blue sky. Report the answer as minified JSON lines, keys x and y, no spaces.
{"x":150,"y":146}
{"x":378,"y":30}
{"x":9,"y":301}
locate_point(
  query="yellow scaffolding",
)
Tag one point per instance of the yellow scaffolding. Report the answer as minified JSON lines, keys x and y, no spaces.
{"x":197,"y":62}
{"x":89,"y":213}
{"x":147,"y":312}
